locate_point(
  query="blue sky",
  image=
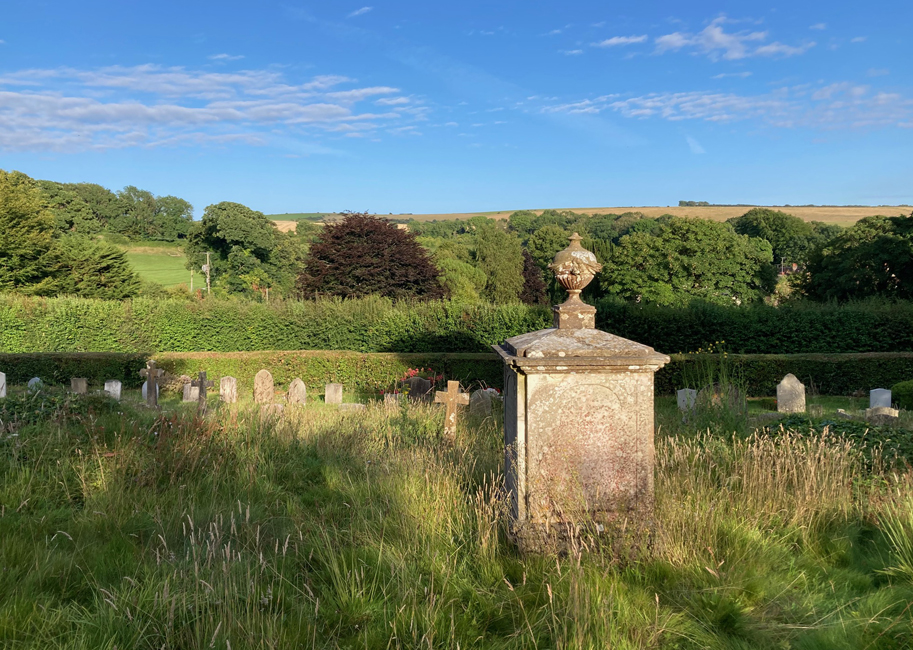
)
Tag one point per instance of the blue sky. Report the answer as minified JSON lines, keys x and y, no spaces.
{"x":463,"y":106}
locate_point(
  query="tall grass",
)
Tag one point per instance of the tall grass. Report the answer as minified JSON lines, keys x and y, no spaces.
{"x":371,"y":530}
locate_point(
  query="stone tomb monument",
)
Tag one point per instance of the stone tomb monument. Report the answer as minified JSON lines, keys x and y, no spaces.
{"x":686,"y":398}
{"x":332,"y":394}
{"x":297,"y":392}
{"x":228,"y":390}
{"x":263,"y":387}
{"x":790,"y":395}
{"x":578,"y":422}
{"x":2,"y":385}
{"x":879,"y":397}
{"x":79,"y":385}
{"x":113,"y":388}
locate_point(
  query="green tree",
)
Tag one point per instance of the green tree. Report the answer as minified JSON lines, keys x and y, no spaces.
{"x":533,"y":292}
{"x":95,"y":270}
{"x":790,"y":237}
{"x":71,"y":212}
{"x":500,"y":256}
{"x":872,"y":258}
{"x":136,"y":219}
{"x":521,"y":222}
{"x":463,"y":281}
{"x":102,"y":202}
{"x":545,"y":243}
{"x":171,"y":220}
{"x":29,"y":261}
{"x":363,"y":255}
{"x":690,"y":258}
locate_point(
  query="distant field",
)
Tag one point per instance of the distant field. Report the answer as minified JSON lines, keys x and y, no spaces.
{"x":843,"y":215}
{"x":164,"y":266}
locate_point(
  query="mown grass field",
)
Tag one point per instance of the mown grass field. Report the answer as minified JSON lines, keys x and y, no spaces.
{"x":122,"y":528}
{"x":163,"y":264}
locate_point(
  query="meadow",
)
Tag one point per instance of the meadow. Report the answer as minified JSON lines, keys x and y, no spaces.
{"x":125,"y":528}
{"x":161,"y":262}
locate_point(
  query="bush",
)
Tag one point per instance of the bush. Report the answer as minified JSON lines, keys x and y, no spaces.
{"x":58,"y":368}
{"x":902,"y":394}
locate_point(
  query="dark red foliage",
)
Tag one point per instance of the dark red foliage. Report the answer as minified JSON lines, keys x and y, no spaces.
{"x":533,"y":292}
{"x":363,"y":255}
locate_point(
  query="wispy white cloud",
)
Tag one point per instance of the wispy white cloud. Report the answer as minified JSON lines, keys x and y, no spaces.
{"x":69,"y":109}
{"x":723,"y":75}
{"x":858,"y":39}
{"x":694,"y":145}
{"x":616,"y":41}
{"x":226,"y":57}
{"x":878,"y":72}
{"x":360,"y":12}
{"x":818,"y":26}
{"x":571,"y":52}
{"x":716,"y":43}
{"x":392,"y":101}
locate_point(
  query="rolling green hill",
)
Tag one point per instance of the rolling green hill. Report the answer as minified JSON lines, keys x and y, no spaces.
{"x":161,"y":264}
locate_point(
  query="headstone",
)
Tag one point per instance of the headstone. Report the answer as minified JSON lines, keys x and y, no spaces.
{"x":453,"y":398}
{"x":882,"y":415}
{"x":790,"y":395}
{"x":268,"y":411}
{"x":79,"y":385}
{"x":151,"y":387}
{"x":687,"y":398}
{"x":191,"y":393}
{"x":263,"y":387}
{"x":201,"y":384}
{"x":35,"y":384}
{"x":879,"y":397}
{"x":480,"y":403}
{"x":349,"y":406}
{"x":113,"y":388}
{"x":418,"y":389}
{"x":578,"y":423}
{"x":297,"y":392}
{"x":392,"y":400}
{"x":843,"y":415}
{"x":2,"y":385}
{"x":228,"y":390}
{"x":721,"y":396}
{"x":333,"y":394}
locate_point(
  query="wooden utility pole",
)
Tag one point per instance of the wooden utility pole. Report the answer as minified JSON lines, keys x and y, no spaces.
{"x":206,"y":268}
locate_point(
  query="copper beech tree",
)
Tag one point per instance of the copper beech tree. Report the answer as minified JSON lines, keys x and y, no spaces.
{"x":363,"y":255}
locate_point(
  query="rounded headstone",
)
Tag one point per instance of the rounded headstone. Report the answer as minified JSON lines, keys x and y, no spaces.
{"x":35,"y":384}
{"x":263,"y":387}
{"x":297,"y":392}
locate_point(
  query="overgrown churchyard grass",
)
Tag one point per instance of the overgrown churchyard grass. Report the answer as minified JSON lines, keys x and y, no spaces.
{"x":124,"y":528}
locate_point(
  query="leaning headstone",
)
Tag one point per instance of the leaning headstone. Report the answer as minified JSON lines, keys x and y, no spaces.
{"x":333,"y":394}
{"x":480,"y":403}
{"x":879,"y":397}
{"x":418,"y":388}
{"x":2,"y":385}
{"x":297,"y":392}
{"x":113,"y":388}
{"x":35,"y":384}
{"x":79,"y":385}
{"x":790,"y":395}
{"x":263,"y":387}
{"x":578,"y":424}
{"x":191,"y":393}
{"x":201,"y":384}
{"x":151,"y":386}
{"x":687,"y":398}
{"x":228,"y":390}
{"x":882,"y":415}
{"x":453,"y":399}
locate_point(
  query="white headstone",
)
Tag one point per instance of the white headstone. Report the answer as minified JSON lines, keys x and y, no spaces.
{"x":191,"y":393}
{"x":790,"y":395}
{"x":35,"y":384}
{"x":228,"y":390}
{"x":113,"y":388}
{"x":145,"y":391}
{"x":2,"y":385}
{"x":687,"y":398}
{"x":879,"y":397}
{"x":333,"y":394}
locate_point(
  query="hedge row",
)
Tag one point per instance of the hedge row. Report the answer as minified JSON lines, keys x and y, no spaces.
{"x":842,"y":374}
{"x":379,"y":325}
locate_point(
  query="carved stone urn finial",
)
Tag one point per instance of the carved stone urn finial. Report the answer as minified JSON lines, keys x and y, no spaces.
{"x":575,"y":267}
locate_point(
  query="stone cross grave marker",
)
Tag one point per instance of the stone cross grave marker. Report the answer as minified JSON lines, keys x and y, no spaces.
{"x":79,"y":385}
{"x":228,"y":390}
{"x":113,"y":388}
{"x":201,"y":384}
{"x":152,"y":375}
{"x":453,"y":398}
{"x":879,"y":397}
{"x":297,"y":392}
{"x":790,"y":395}
{"x":2,"y":384}
{"x":263,"y":387}
{"x":333,"y":394}
{"x":687,"y":398}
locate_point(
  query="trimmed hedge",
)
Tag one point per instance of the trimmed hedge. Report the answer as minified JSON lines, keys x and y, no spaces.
{"x":842,"y":374}
{"x":379,"y":325}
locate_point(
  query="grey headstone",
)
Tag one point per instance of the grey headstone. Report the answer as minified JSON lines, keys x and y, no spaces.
{"x":2,"y":384}
{"x":879,"y":397}
{"x":263,"y":387}
{"x":145,"y":389}
{"x":790,"y":395}
{"x":79,"y":385}
{"x":352,"y":407}
{"x":333,"y":394}
{"x":480,"y":403}
{"x":419,"y":389}
{"x":113,"y":388}
{"x":687,"y":398}
{"x":191,"y":393}
{"x":297,"y":392}
{"x":35,"y":384}
{"x":228,"y":390}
